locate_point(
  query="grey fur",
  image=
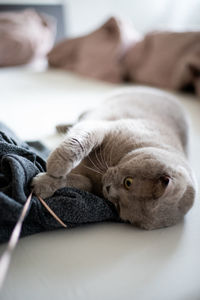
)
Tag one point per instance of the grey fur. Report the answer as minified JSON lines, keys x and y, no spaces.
{"x":140,"y":133}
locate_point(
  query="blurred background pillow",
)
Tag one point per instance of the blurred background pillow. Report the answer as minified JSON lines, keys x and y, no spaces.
{"x":25,"y":35}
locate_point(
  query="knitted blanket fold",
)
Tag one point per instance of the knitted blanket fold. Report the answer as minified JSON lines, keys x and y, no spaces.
{"x":19,"y":163}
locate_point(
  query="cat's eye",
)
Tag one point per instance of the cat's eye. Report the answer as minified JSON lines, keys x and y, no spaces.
{"x":128,"y":182}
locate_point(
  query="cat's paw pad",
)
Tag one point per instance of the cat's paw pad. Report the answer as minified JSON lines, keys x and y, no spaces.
{"x":44,"y":186}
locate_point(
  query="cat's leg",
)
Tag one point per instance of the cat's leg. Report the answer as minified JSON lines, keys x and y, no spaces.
{"x":79,"y":142}
{"x":45,"y":185}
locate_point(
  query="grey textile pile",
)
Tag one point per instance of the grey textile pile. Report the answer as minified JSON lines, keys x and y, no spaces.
{"x":19,"y":163}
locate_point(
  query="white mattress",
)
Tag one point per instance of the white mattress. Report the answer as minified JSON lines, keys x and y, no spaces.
{"x":102,"y":261}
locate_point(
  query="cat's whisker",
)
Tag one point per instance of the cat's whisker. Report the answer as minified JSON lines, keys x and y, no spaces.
{"x":95,"y":166}
{"x":110,"y":156}
{"x":106,"y":164}
{"x":103,"y":159}
{"x":94,"y":170}
{"x":100,"y":153}
{"x":100,"y":164}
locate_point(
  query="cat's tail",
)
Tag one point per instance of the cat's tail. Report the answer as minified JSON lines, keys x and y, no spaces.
{"x":63,"y":128}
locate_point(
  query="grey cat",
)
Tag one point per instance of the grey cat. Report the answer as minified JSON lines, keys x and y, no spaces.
{"x":131,"y":150}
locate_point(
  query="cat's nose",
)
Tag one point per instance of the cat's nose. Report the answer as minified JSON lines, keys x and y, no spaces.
{"x":108,"y":188}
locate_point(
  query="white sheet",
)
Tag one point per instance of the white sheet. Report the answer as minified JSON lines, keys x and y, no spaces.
{"x":102,"y":261}
{"x":34,"y":102}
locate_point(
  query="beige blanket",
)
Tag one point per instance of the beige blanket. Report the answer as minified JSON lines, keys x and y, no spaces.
{"x":115,"y":52}
{"x":166,"y":59}
{"x":97,"y":54}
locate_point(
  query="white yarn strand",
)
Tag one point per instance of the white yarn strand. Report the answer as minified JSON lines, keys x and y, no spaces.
{"x":6,"y":257}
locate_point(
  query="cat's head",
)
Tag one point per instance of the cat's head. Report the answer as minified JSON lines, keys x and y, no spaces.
{"x":150,"y":188}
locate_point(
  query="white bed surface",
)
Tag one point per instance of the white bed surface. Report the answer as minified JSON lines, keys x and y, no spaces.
{"x":32,"y":103}
{"x":102,"y":261}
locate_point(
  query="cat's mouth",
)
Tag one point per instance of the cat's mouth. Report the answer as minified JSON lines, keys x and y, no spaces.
{"x":117,"y":206}
{"x":116,"y":203}
{"x":107,"y":192}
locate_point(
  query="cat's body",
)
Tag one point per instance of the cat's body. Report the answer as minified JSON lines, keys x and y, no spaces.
{"x":131,"y":150}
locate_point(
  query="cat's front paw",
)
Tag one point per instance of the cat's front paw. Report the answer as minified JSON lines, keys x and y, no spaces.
{"x":44,"y":185}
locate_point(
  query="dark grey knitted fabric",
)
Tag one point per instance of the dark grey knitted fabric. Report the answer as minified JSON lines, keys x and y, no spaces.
{"x":19,"y":162}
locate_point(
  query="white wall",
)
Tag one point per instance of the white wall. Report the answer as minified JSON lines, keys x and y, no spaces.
{"x":85,"y":15}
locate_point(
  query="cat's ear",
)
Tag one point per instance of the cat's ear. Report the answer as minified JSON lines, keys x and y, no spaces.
{"x":187,"y":199}
{"x":162,"y":185}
